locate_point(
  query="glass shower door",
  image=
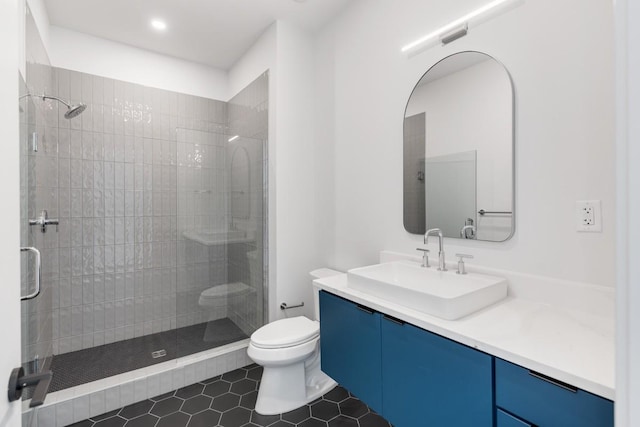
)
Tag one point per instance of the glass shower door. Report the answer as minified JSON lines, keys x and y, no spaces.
{"x":220,"y":298}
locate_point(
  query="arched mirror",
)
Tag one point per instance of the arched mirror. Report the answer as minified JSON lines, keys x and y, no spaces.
{"x":459,"y":150}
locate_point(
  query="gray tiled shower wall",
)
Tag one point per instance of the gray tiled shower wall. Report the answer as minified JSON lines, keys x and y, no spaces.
{"x":111,"y":174}
{"x":118,"y":265}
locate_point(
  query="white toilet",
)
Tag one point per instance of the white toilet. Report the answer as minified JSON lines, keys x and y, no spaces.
{"x":289,"y":351}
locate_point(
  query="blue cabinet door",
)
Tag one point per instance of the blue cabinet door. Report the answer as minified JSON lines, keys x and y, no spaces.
{"x":507,"y":420}
{"x":428,"y":380}
{"x":546,"y":402}
{"x":350,"y":347}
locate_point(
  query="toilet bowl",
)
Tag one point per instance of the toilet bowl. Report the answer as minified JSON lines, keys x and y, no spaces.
{"x":289,"y":351}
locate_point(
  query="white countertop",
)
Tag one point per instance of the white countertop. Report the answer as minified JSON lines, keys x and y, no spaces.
{"x":571,"y":341}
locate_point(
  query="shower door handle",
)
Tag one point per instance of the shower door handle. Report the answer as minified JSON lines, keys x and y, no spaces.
{"x":36,"y":292}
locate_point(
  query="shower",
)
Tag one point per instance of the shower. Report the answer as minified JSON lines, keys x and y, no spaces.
{"x":73,"y":110}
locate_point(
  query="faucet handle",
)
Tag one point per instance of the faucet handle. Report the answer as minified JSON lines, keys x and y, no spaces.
{"x":461,"y":258}
{"x":425,"y":257}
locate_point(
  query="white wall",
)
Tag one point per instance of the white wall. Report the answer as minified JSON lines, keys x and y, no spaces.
{"x":41,"y":18}
{"x":12,"y":36}
{"x":560,"y":56}
{"x":81,"y":52}
{"x":628,"y":204}
{"x":298,"y":242}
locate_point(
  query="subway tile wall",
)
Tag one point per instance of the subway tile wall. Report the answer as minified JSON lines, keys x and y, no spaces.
{"x":114,"y":170}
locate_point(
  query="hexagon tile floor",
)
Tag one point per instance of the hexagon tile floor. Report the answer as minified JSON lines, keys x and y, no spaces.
{"x":229,"y":401}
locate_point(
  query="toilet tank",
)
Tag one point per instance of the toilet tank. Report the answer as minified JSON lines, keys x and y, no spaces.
{"x":319,"y":274}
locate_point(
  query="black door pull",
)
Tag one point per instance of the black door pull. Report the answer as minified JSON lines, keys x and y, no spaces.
{"x":18,"y":381}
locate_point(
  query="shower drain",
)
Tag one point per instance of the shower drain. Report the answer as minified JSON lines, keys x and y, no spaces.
{"x":159,"y":353}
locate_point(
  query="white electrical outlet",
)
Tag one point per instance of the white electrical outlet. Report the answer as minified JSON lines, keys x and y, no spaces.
{"x":589,"y":215}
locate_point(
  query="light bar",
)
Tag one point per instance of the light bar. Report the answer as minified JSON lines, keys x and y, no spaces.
{"x":233,"y":138}
{"x":484,"y":13}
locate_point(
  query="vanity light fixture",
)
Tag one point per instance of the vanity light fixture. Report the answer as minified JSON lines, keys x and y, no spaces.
{"x":459,"y":27}
{"x":233,"y":138}
{"x":158,"y":24}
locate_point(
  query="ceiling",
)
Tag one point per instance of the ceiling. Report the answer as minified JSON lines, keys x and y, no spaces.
{"x":212,"y":32}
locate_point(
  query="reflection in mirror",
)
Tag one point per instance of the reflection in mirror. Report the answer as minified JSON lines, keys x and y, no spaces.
{"x":458,"y":150}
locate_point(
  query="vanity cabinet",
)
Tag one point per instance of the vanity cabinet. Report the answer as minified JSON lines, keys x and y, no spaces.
{"x":504,"y":419}
{"x":432,"y":379}
{"x":543,"y":401}
{"x":417,"y":378}
{"x":350,"y":347}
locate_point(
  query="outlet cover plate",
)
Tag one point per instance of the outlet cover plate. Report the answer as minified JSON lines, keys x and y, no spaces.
{"x":589,"y":215}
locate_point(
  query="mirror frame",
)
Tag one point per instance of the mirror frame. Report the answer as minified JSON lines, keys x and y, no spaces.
{"x":513,"y":140}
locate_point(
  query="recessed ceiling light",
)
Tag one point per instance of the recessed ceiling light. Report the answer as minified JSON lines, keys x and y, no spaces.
{"x":158,"y":24}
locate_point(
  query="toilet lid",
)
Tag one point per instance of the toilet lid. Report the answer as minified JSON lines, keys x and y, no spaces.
{"x":286,"y":333}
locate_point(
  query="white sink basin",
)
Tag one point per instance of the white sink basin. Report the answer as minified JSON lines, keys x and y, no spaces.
{"x":442,"y":294}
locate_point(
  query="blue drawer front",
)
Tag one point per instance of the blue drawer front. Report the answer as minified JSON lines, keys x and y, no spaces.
{"x":350,"y":348}
{"x":506,"y":420}
{"x":429,"y":380}
{"x":548,"y":405}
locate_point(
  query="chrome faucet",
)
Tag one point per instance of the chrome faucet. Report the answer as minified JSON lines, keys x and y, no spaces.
{"x":43,"y":220}
{"x":441,"y":264}
{"x":468,"y":232}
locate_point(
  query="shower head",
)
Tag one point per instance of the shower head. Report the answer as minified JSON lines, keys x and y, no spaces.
{"x":72,"y":110}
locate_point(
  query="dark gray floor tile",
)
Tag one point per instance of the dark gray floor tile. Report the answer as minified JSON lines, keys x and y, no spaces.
{"x":243,"y":386}
{"x":196,"y":404}
{"x":325,"y":410}
{"x":208,"y":418}
{"x":111,"y":422}
{"x":214,"y":403}
{"x":342,"y":421}
{"x":297,"y":415}
{"x":167,"y":406}
{"x":249,"y":400}
{"x":143,"y":421}
{"x":83,"y":366}
{"x":217,"y":388}
{"x":163,"y":396}
{"x":255,"y":373}
{"x":137,"y":409}
{"x":211,"y":380}
{"x":177,"y":419}
{"x":85,"y":423}
{"x":235,"y":417}
{"x":338,"y":394}
{"x":263,"y":420}
{"x":225,"y":402}
{"x":236,"y":375}
{"x":189,"y":391}
{"x":353,"y":407}
{"x":312,"y":422}
{"x":106,"y":415}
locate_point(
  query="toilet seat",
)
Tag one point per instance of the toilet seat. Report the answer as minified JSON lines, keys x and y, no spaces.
{"x":285,"y":333}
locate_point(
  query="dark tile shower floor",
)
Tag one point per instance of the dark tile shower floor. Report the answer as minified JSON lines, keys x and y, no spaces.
{"x":84,"y":366}
{"x":229,"y":401}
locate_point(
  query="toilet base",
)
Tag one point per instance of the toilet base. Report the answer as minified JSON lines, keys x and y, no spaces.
{"x":283,"y":388}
